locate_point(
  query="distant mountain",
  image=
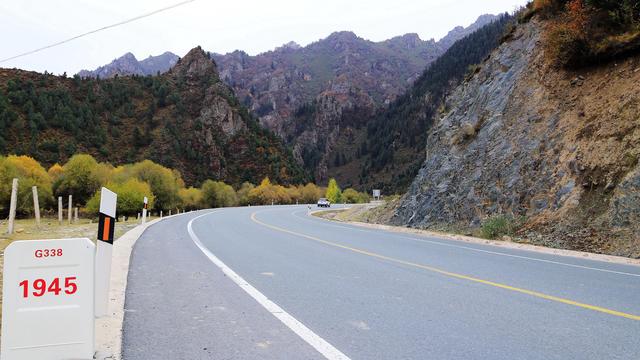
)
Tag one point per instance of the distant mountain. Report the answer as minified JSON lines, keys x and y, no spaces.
{"x":127,"y":64}
{"x":310,"y":94}
{"x":388,"y":152}
{"x":186,"y":119}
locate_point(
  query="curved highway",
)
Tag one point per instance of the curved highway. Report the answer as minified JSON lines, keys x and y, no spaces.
{"x":275,"y":283}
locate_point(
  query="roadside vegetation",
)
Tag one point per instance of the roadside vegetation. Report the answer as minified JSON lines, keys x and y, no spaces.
{"x":499,"y":226}
{"x":82,"y":176}
{"x":585,"y":32}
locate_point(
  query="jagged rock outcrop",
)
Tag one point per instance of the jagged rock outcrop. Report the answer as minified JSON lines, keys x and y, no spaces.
{"x":559,"y":148}
{"x":277,"y":84}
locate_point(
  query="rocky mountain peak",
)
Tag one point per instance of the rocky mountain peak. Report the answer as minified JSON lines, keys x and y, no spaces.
{"x":343,"y":36}
{"x":127,"y":57}
{"x":291,"y":45}
{"x":195,"y":65}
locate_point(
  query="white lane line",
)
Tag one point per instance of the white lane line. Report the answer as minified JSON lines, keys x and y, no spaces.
{"x":472,"y":248}
{"x":318,"y":343}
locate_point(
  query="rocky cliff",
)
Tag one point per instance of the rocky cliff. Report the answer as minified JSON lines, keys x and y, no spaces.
{"x":554,"y":149}
{"x":338,"y":78}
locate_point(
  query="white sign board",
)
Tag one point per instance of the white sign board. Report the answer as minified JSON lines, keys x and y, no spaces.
{"x":376,"y":193}
{"x":108,"y":201}
{"x":48,"y":291}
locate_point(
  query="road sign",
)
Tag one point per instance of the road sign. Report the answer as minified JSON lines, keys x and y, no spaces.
{"x":376,"y":194}
{"x":106,"y":226}
{"x":48,"y":300}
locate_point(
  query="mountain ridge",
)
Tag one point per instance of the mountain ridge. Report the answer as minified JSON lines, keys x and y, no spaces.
{"x":186,"y":119}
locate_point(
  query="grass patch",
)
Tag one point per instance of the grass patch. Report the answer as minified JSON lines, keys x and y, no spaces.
{"x":500,"y":225}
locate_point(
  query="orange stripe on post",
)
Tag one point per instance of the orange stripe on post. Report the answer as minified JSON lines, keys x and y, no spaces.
{"x":106,"y":228}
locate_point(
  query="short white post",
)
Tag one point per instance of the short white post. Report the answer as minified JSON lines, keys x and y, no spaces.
{"x":59,"y":210}
{"x":75,"y":215}
{"x":160,"y":214}
{"x":144,"y":210}
{"x":13,"y":205}
{"x":169,"y":212}
{"x":36,"y":205}
{"x":104,"y":251}
{"x":69,"y":208}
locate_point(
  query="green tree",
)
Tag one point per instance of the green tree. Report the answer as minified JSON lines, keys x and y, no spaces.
{"x":164,"y":182}
{"x":333,"y":191}
{"x":80,"y":178}
{"x":218,"y":194}
{"x":131,"y":195}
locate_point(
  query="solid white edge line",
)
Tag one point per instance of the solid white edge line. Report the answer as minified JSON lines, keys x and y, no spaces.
{"x":311,"y":338}
{"x":441,"y":243}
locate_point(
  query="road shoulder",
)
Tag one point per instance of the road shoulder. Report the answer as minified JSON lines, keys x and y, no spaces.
{"x":108,"y":343}
{"x":498,"y":243}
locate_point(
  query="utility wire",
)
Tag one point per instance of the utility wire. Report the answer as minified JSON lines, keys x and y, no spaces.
{"x":98,"y":30}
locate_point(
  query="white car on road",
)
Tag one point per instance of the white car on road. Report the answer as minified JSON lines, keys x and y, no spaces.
{"x":323,"y":202}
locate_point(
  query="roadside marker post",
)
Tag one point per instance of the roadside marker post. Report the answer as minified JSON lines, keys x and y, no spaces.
{"x":13,"y":205}
{"x":69,"y":208}
{"x":106,"y":226}
{"x":48,"y":300}
{"x":59,"y":210}
{"x":36,"y":205}
{"x":144,"y":210}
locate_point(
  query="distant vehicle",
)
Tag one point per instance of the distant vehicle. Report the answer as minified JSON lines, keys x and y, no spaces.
{"x":323,"y":202}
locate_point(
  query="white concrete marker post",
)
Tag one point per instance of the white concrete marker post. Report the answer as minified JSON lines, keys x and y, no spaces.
{"x":104,"y":250}
{"x":36,"y":205}
{"x":48,"y":304}
{"x":13,"y":205}
{"x":69,"y":208}
{"x":59,"y":210}
{"x":75,"y":215}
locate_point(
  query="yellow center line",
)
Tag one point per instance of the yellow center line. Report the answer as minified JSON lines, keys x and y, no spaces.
{"x":452,"y":274}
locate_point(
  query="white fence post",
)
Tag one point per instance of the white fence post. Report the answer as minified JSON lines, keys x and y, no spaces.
{"x":13,"y":205}
{"x":59,"y":210}
{"x":69,"y":208}
{"x":36,"y":205}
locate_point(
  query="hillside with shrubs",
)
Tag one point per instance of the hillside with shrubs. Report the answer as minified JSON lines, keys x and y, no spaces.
{"x":186,"y":119}
{"x":83,"y":176}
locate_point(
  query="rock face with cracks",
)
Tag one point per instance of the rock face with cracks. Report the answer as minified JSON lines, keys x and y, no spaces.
{"x":556,"y":148}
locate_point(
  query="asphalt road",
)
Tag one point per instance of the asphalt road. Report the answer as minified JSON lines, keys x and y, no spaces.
{"x":345,"y":291}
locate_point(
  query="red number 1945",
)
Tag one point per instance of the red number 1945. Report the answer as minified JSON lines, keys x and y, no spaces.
{"x":40,"y":287}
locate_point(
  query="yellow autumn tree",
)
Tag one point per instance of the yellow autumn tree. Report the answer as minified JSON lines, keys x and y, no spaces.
{"x":29,"y":173}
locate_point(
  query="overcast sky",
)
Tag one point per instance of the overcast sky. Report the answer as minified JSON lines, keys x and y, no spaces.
{"x":254,"y":26}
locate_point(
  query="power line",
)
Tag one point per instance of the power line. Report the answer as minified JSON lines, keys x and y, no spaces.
{"x":98,"y":30}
